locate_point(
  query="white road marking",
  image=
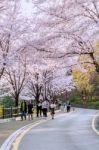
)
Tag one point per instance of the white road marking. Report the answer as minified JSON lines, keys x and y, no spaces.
{"x":17,"y":134}
{"x":8,"y":143}
{"x":93,"y":124}
{"x":19,"y":138}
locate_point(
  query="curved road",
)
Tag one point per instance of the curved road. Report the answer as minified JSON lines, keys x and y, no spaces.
{"x":72,"y":131}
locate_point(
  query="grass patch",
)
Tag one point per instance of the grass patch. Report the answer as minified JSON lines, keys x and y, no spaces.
{"x":94,"y":104}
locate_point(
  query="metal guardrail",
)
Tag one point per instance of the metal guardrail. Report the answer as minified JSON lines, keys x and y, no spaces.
{"x":13,"y":112}
{"x":9,"y":112}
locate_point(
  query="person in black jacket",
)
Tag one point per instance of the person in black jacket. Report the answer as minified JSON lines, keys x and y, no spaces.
{"x":23,"y":109}
{"x":68,"y":106}
{"x":30,"y":110}
{"x":39,"y":108}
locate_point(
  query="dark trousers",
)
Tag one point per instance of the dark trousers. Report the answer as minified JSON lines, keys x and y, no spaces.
{"x":23,"y":114}
{"x":39,"y":111}
{"x":44,"y":112}
{"x":68,"y":108}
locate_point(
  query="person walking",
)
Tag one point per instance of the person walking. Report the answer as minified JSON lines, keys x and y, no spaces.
{"x":45,"y":106}
{"x":23,"y":109}
{"x":65,"y":107}
{"x":30,"y":111}
{"x":52,"y":109}
{"x":39,"y":108}
{"x":68,"y":106}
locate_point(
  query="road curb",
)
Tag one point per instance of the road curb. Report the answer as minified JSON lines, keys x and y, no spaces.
{"x":18,"y":139}
{"x":9,"y":141}
{"x":95,"y":124}
{"x":8,"y":144}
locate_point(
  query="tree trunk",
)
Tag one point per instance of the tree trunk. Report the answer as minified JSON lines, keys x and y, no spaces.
{"x":37,"y":98}
{"x":16,"y":104}
{"x":16,"y":101}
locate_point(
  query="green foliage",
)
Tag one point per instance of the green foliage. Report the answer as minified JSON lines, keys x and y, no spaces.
{"x":82,"y":81}
{"x":77,"y":101}
{"x":94,"y":80}
{"x":92,"y":104}
{"x":7,"y":101}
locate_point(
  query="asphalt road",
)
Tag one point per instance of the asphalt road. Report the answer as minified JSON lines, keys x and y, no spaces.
{"x":72,"y":131}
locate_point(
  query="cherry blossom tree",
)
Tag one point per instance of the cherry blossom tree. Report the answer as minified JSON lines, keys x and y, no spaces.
{"x":47,"y":77}
{"x":52,"y":34}
{"x":16,"y":77}
{"x":35,"y":87}
{"x":75,"y":21}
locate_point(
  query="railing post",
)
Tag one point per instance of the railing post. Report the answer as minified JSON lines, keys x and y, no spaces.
{"x":3,"y":112}
{"x":11,"y":112}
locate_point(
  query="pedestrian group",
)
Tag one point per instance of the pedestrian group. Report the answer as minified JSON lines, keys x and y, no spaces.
{"x":42,"y":108}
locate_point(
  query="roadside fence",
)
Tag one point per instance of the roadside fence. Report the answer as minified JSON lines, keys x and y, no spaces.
{"x":9,"y":112}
